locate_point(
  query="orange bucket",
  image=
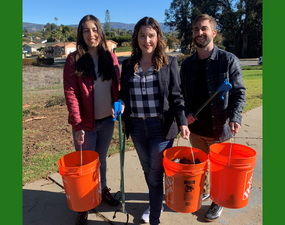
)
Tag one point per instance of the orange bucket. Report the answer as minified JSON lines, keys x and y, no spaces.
{"x":184,"y":182}
{"x":231,"y":174}
{"x":82,"y":185}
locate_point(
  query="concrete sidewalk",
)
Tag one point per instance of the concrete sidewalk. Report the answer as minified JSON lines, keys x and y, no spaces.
{"x":44,"y":201}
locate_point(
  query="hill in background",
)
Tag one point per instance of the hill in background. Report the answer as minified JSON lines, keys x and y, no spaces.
{"x":33,"y":27}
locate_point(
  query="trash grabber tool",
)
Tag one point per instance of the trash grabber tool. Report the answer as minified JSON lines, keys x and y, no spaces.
{"x":224,"y":87}
{"x":117,"y":110}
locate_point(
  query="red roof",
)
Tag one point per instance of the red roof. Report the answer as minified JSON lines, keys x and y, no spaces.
{"x":61,"y":44}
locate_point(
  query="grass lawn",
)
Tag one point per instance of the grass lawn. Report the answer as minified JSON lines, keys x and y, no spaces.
{"x":253,"y":82}
{"x":124,"y":49}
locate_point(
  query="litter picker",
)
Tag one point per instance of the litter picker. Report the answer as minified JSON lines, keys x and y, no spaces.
{"x":224,"y":87}
{"x":117,"y":110}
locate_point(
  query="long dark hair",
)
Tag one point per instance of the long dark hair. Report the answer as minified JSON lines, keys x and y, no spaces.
{"x":84,"y":61}
{"x":159,"y":58}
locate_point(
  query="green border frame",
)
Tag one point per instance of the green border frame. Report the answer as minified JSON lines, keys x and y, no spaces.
{"x":11,"y":112}
{"x":273,"y":114}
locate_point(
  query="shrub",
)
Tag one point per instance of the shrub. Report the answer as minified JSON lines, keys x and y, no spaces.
{"x":45,"y":61}
{"x":121,"y":39}
{"x":181,"y":58}
{"x":38,"y":61}
{"x":125,"y":44}
{"x":55,"y":100}
{"x":29,"y":61}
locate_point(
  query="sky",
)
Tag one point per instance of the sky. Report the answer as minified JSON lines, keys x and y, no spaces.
{"x":70,"y":12}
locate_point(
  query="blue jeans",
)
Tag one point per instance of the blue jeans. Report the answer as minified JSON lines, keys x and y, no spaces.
{"x":150,"y":143}
{"x":98,"y":140}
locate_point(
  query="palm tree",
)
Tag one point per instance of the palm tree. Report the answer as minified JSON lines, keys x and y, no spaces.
{"x":56,"y":19}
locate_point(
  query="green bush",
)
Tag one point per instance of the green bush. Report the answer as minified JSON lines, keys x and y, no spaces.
{"x":125,"y":44}
{"x":45,"y":61}
{"x":121,"y":39}
{"x":251,"y":67}
{"x":38,"y":61}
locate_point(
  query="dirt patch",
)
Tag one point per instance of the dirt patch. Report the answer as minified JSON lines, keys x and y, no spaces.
{"x":45,"y":126}
{"x":41,"y":76}
{"x":46,"y":130}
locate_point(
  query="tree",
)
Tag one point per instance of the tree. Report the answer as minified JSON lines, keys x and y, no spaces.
{"x":241,"y":27}
{"x":179,"y":17}
{"x":107,"y":25}
{"x":53,"y":26}
{"x":72,"y":37}
{"x":252,"y":29}
{"x":56,"y":19}
{"x":48,"y":27}
{"x":171,"y":40}
{"x":239,"y":22}
{"x":25,"y":32}
{"x":56,"y":36}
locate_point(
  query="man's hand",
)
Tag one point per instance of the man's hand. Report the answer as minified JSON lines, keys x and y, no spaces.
{"x":190,"y":118}
{"x":235,"y":127}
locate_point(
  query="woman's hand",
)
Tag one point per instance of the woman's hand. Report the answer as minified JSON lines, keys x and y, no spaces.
{"x":122,"y":111}
{"x":185,"y":132}
{"x":79,"y":136}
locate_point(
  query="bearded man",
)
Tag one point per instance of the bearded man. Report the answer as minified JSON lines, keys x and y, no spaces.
{"x":201,"y":74}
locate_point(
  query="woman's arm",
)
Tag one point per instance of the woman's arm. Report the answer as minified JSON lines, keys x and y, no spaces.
{"x":71,"y":92}
{"x":176,"y":97}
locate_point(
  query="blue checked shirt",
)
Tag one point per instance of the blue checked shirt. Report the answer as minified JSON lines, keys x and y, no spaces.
{"x":220,"y":66}
{"x":144,"y":94}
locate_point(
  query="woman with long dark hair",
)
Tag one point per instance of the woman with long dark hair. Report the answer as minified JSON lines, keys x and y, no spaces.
{"x":91,"y":84}
{"x":154,"y":106}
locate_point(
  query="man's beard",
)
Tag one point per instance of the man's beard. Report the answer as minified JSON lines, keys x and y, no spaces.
{"x":203,"y":44}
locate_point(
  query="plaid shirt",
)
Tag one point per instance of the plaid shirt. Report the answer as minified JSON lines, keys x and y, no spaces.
{"x":144,"y":94}
{"x":220,"y":66}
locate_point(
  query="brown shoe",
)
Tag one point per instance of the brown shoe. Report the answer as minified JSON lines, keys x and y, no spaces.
{"x":108,"y":197}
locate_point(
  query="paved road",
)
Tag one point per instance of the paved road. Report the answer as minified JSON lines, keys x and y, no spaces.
{"x":249,"y":62}
{"x":244,"y":62}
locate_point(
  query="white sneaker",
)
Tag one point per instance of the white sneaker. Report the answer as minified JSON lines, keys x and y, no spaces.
{"x":145,"y":216}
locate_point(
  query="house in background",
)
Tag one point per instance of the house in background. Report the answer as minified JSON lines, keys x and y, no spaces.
{"x":39,"y":40}
{"x":61,"y":49}
{"x":111,"y":45}
{"x":32,"y":47}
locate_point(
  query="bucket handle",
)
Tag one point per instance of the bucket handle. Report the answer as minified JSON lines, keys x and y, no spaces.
{"x":233,"y":137}
{"x":81,"y":157}
{"x":191,"y":152}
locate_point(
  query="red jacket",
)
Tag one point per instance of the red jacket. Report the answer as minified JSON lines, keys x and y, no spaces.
{"x":79,"y":94}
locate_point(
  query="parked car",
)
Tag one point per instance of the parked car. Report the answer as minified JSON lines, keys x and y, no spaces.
{"x":177,"y":50}
{"x":260,"y":60}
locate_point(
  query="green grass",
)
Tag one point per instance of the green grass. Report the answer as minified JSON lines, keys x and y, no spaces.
{"x":251,"y":67}
{"x":37,"y":96}
{"x":124,"y":49}
{"x":253,"y":83}
{"x":39,"y":166}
